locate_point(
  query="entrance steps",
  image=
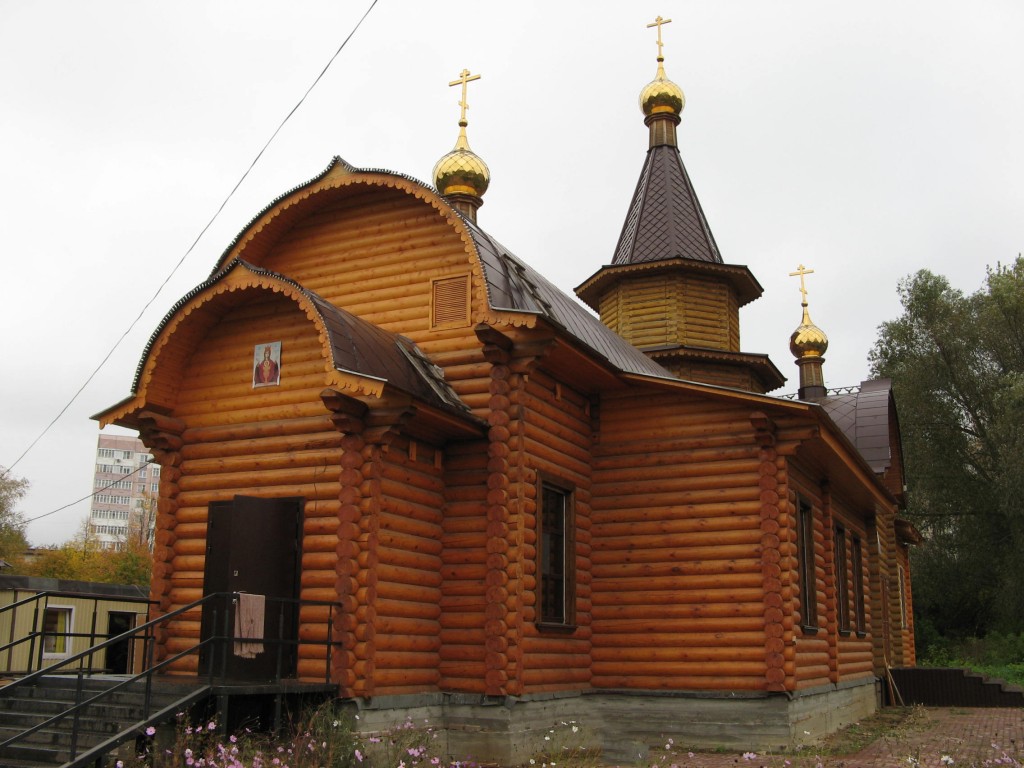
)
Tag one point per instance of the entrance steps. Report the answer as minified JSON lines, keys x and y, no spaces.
{"x":118,"y":717}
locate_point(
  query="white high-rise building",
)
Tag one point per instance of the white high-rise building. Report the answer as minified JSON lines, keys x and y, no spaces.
{"x":125,"y":488}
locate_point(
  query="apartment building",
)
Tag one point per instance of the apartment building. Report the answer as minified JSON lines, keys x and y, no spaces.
{"x":125,"y":487}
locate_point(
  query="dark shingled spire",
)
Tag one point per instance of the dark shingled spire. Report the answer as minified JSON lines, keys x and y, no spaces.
{"x":665,"y":219}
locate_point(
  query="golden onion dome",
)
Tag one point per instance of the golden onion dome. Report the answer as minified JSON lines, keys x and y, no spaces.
{"x":461,"y":171}
{"x":808,"y":340}
{"x":661,"y":95}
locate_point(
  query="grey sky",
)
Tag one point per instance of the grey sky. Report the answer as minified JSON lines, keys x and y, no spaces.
{"x":865,"y":140}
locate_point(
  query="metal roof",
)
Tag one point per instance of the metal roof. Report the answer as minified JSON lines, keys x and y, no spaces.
{"x":514,"y":286}
{"x":665,"y":219}
{"x":864,"y":417}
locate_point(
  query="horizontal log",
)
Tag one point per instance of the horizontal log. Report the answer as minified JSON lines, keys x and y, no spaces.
{"x":418,"y":562}
{"x":546,"y":678}
{"x":628,"y":655}
{"x":626,"y":611}
{"x":462,"y":653}
{"x":461,"y":680}
{"x":390,"y":610}
{"x":408,"y":592}
{"x":695,"y":669}
{"x":404,"y":680}
{"x":323,"y":490}
{"x":707,"y":562}
{"x":712,"y":478}
{"x":675,"y":635}
{"x":672,"y":516}
{"x":745,"y":586}
{"x":667,"y":547}
{"x":407,"y":643}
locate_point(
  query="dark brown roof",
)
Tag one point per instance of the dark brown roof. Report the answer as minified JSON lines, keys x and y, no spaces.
{"x":864,"y":417}
{"x":665,"y":219}
{"x":514,"y":286}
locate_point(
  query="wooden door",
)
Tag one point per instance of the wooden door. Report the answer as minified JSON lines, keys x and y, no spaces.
{"x":253,"y":545}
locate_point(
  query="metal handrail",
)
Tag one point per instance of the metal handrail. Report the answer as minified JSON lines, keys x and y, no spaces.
{"x":142,"y":632}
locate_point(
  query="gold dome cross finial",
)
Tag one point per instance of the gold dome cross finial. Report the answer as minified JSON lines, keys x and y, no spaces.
{"x":658,"y":22}
{"x":801,"y":271}
{"x":464,"y":78}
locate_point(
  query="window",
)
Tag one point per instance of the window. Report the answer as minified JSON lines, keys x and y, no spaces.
{"x":126,"y":454}
{"x":156,"y":470}
{"x":108,"y":468}
{"x":154,"y":488}
{"x":858,"y":586}
{"x":842,"y":586}
{"x":57,"y":625}
{"x":808,"y":576}
{"x":556,"y":555}
{"x":105,"y":453}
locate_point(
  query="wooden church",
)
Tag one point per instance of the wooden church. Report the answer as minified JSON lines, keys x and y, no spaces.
{"x":501,"y":509}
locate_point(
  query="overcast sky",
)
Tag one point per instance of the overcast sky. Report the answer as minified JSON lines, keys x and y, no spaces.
{"x":866,"y":140}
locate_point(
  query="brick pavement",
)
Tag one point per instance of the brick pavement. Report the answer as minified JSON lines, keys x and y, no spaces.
{"x":965,"y":735}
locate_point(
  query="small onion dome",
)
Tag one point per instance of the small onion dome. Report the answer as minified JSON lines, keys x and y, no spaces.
{"x":808,"y":340}
{"x":661,"y":95}
{"x":461,"y":171}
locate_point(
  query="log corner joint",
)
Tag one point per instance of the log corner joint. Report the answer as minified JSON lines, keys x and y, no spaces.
{"x":764,"y":429}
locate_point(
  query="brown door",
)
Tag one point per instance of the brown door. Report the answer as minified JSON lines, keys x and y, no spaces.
{"x":253,"y":545}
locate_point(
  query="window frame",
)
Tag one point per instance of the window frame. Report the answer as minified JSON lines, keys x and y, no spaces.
{"x":66,"y":634}
{"x":842,"y":575}
{"x":565,"y":619}
{"x":857,"y":569}
{"x":807,"y":565}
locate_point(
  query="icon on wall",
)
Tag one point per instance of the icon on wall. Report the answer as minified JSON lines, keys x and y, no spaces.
{"x":266,"y":364}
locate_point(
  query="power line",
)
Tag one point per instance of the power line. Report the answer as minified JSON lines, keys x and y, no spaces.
{"x":195,"y":242}
{"x":89,"y":496}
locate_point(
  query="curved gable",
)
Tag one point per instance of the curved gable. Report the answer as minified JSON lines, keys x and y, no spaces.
{"x":357,"y":357}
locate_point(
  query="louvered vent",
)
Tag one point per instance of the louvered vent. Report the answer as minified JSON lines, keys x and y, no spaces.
{"x":450,"y":302}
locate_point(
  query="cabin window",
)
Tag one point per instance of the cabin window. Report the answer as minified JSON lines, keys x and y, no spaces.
{"x":858,"y":586}
{"x":842,"y":585}
{"x":556,"y":555}
{"x":805,"y":554}
{"x":449,"y":302}
{"x":57,"y":623}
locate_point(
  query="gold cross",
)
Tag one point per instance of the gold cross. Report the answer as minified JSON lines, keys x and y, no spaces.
{"x":802,"y":270}
{"x":464,"y":77}
{"x":657,"y":23}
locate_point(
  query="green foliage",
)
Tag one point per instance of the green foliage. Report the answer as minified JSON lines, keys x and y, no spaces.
{"x":957,"y":365}
{"x":82,"y":559}
{"x":12,"y":522}
{"x":995,"y":655}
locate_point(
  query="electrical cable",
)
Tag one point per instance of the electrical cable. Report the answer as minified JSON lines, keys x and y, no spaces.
{"x":195,"y":242}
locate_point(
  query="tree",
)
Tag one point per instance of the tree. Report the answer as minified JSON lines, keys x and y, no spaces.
{"x":84,"y":559}
{"x":12,"y":522}
{"x":957,"y":365}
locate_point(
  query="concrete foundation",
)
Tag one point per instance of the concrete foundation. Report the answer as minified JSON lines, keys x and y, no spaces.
{"x":624,"y":725}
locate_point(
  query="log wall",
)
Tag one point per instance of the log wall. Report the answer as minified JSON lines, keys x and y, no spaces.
{"x":554,"y":440}
{"x":813,"y":657}
{"x":464,"y":570}
{"x":854,"y":658}
{"x":373,"y":252}
{"x":678,"y":579}
{"x":271,"y":441}
{"x":655,"y":310}
{"x":408,"y":570}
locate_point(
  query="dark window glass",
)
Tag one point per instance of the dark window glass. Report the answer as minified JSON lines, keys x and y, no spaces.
{"x":842,"y":585}
{"x":858,"y":584}
{"x":805,"y":553}
{"x":555,"y":554}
